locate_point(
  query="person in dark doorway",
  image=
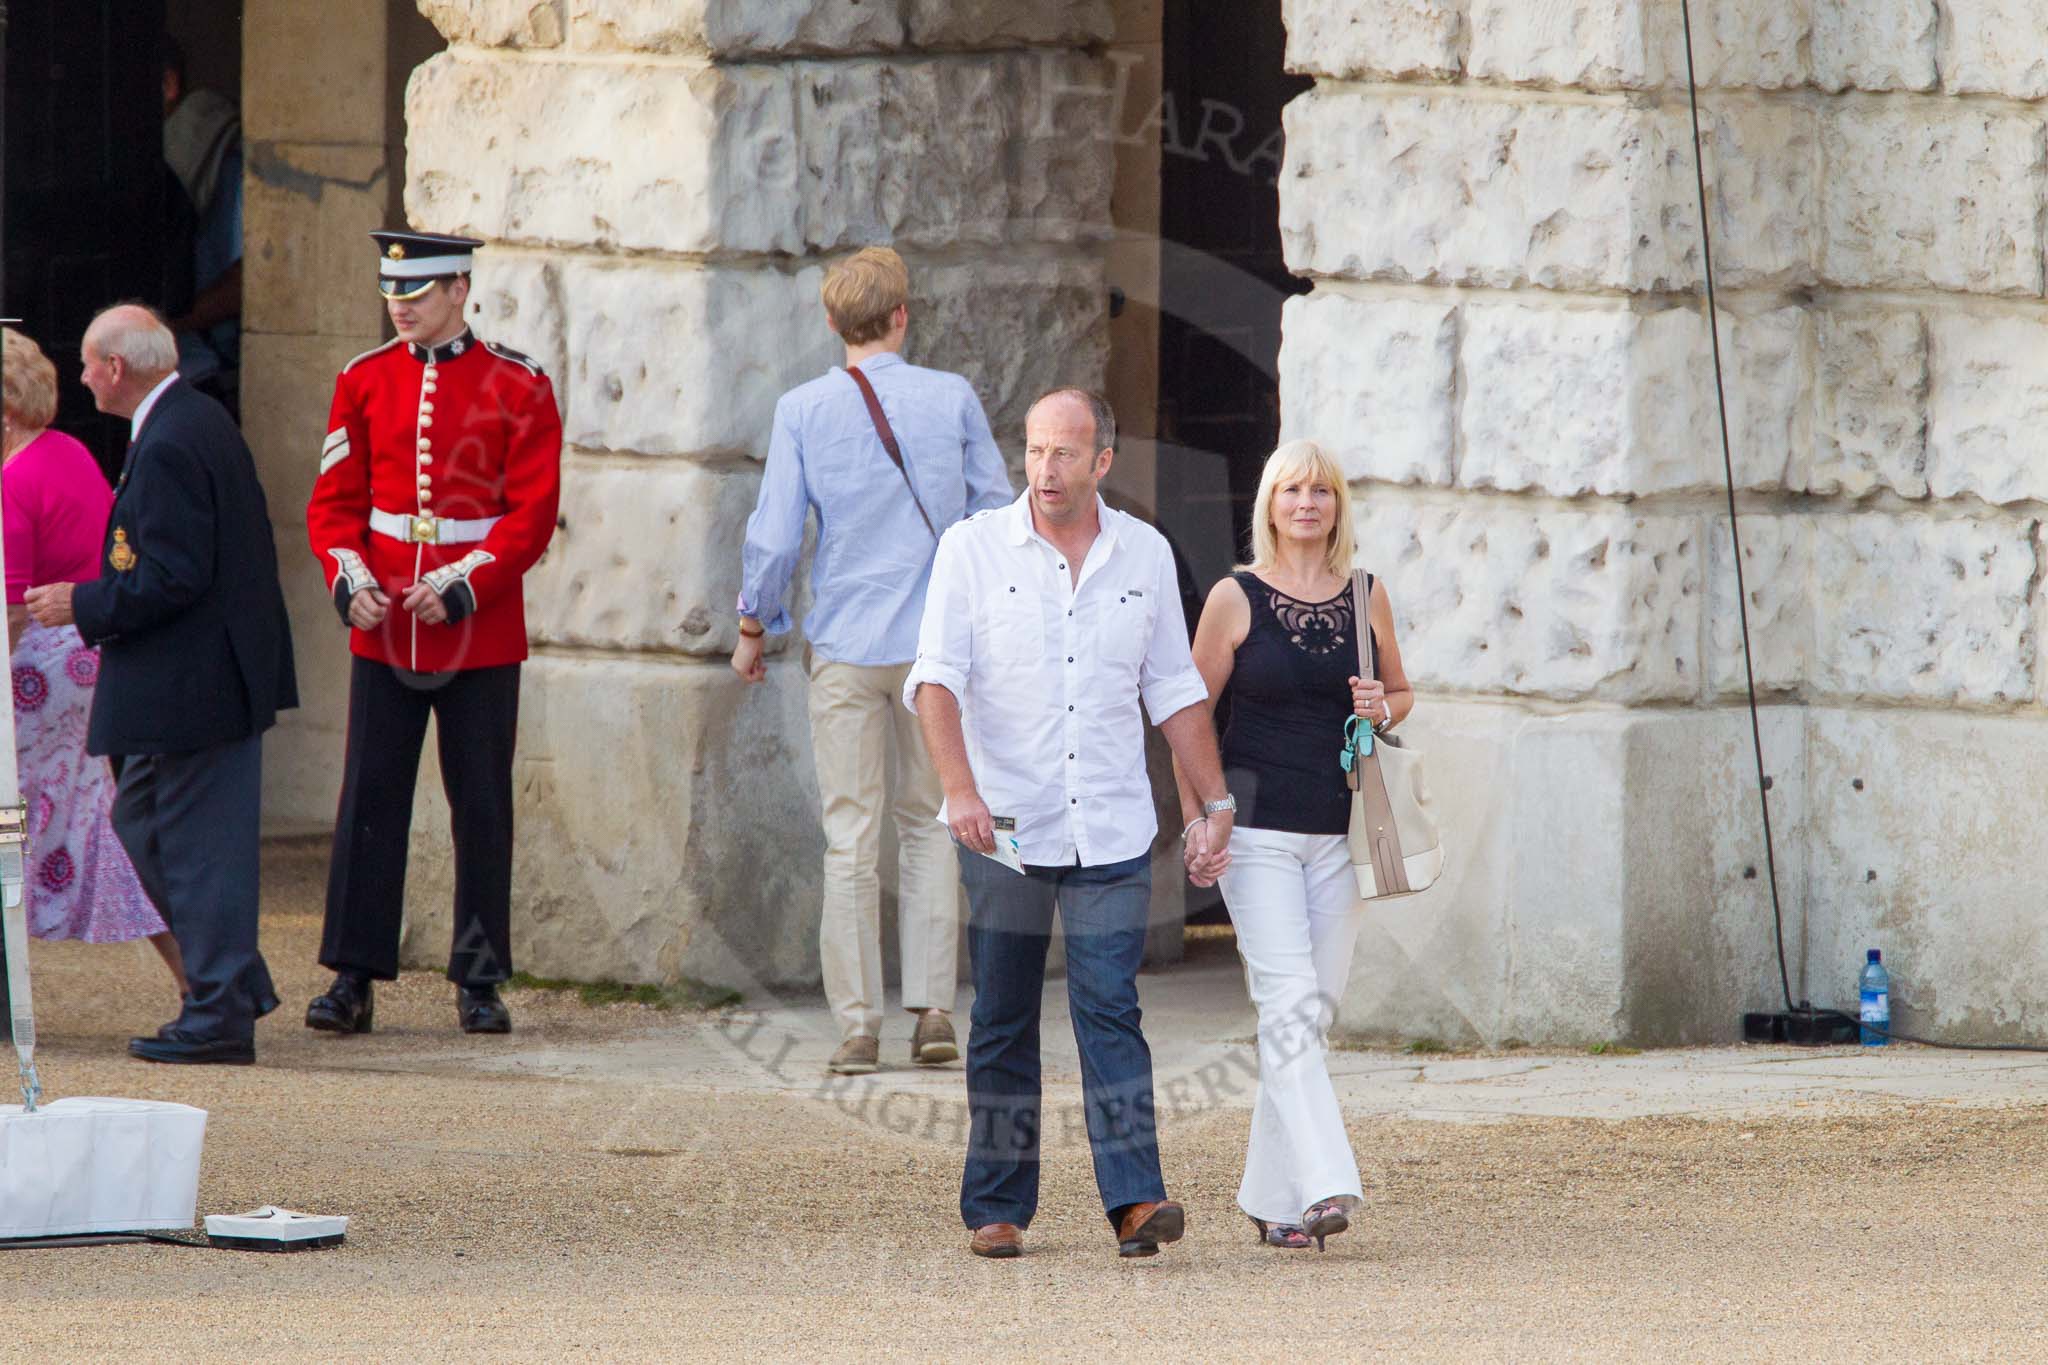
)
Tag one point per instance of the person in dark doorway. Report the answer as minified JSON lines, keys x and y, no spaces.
{"x":195,"y":664}
{"x":1047,"y":623}
{"x":877,"y":533}
{"x":438,"y":486}
{"x":1282,"y":634}
{"x":203,"y":146}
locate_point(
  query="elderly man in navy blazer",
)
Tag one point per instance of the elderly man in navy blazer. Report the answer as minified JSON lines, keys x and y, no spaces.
{"x":195,"y":664}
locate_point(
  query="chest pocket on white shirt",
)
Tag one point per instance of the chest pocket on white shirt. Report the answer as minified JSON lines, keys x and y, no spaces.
{"x":1124,"y":626}
{"x":1014,"y":625}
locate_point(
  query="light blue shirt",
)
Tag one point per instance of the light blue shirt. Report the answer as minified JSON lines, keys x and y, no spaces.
{"x":874,"y":555}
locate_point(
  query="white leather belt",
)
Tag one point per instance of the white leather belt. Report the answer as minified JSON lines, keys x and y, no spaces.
{"x":430,"y":530}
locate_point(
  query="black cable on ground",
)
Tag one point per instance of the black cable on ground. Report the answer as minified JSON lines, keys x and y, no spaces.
{"x":1935,"y":1042}
{"x":1763,"y":788}
{"x":106,"y":1239}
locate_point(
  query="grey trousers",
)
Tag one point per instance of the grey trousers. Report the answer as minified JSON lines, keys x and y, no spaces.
{"x":190,"y":825}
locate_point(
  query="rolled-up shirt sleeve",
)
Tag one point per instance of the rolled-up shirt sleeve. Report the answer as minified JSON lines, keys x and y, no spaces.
{"x":945,"y":635}
{"x":1168,"y":679}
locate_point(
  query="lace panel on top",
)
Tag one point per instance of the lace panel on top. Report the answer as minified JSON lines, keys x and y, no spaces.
{"x":1313,"y":627}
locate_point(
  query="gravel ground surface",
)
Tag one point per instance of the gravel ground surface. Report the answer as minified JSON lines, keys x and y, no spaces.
{"x":526,"y":1219}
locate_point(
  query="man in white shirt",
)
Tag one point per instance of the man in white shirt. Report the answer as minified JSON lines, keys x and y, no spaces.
{"x":1047,"y":623}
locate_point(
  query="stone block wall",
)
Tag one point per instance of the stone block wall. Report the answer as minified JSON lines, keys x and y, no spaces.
{"x":661,"y":183}
{"x":1495,"y":200}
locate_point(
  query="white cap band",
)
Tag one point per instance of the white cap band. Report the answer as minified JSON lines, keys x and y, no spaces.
{"x":424,"y":267}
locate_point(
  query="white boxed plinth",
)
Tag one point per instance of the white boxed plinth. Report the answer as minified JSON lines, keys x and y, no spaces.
{"x":96,"y":1165}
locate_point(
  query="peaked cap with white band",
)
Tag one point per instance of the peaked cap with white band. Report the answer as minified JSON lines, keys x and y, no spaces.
{"x":408,"y":263}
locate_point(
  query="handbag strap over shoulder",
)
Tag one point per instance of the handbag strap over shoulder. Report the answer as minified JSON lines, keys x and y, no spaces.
{"x":882,"y":429}
{"x":1368,"y":644}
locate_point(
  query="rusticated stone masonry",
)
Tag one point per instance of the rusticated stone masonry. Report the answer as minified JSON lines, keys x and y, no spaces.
{"x":660,"y":182}
{"x":1495,"y":200}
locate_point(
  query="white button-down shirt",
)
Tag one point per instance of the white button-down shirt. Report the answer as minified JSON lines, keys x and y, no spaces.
{"x":1049,"y":673}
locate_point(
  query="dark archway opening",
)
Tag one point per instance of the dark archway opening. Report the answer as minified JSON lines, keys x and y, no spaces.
{"x":1222,"y":284}
{"x":94,"y":213}
{"x":1219,"y":390}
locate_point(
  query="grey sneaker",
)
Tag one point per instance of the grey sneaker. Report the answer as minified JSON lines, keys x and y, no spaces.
{"x":857,"y":1056}
{"x":933,"y":1042}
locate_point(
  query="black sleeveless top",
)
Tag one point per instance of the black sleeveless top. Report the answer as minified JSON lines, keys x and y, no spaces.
{"x":1290,"y":694}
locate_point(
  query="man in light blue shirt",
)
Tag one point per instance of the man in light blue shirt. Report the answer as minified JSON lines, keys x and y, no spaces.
{"x":888,"y":455}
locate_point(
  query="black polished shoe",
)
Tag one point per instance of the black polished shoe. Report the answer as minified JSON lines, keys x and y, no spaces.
{"x":181,"y":1048}
{"x":481,"y":1011}
{"x":347,"y":1007}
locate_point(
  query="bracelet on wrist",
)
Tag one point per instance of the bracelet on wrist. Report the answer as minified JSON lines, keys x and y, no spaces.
{"x":756,"y":633}
{"x":1198,"y":820}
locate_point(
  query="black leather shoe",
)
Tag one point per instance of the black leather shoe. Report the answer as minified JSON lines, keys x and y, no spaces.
{"x":347,"y":1007}
{"x":174,"y":1046}
{"x":481,"y":1011}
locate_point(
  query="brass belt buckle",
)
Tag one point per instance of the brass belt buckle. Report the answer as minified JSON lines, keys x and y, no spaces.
{"x":426,"y":530}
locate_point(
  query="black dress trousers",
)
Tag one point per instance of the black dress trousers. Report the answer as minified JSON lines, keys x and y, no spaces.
{"x":476,"y":718}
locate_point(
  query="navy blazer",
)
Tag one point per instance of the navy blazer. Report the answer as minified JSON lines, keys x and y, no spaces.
{"x":195,"y":647}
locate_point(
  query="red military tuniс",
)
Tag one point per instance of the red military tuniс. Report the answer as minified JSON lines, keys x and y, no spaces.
{"x":441,"y":465}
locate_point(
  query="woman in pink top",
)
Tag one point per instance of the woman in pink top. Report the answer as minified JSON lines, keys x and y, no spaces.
{"x":54,"y":503}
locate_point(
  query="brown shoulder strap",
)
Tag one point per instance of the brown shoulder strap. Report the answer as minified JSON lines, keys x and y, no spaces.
{"x":867,"y":393}
{"x":1368,"y":643}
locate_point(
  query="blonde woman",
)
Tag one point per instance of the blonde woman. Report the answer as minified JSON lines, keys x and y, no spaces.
{"x":1281,"y":633}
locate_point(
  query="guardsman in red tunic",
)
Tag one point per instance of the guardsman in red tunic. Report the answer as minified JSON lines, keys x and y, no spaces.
{"x":439,"y":480}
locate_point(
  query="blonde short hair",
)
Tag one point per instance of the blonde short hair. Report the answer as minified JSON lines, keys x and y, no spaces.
{"x":1293,"y":461}
{"x":863,"y":292}
{"x":31,"y":381}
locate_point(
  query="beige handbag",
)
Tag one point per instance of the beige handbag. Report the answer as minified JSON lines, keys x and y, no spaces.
{"x":1395,"y":850}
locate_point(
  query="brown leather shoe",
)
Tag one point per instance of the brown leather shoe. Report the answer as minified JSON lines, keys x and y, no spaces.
{"x":933,"y":1042}
{"x":857,"y":1056}
{"x":998,"y":1241}
{"x":1145,"y":1226}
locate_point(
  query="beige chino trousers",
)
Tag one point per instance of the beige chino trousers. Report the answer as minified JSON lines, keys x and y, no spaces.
{"x":857,"y":719}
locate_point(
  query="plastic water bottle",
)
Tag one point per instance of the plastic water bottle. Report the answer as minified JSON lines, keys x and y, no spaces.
{"x":1876,"y":993}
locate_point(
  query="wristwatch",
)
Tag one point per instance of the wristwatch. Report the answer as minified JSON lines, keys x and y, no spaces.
{"x":1228,"y":802}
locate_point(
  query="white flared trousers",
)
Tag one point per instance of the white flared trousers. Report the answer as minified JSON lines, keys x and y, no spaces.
{"x":1295,"y":905}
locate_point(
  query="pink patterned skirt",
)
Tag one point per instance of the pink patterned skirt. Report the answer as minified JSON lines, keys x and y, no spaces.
{"x":80,"y":882}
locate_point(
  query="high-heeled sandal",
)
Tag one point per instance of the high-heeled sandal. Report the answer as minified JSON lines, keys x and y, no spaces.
{"x":1325,"y":1218}
{"x":1284,"y":1235}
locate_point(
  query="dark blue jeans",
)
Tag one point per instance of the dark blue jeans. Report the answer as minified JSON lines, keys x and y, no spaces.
{"x":1102,"y":913}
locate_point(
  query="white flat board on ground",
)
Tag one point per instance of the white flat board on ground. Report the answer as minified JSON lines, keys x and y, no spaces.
{"x":271,"y":1223}
{"x":98,"y":1165}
